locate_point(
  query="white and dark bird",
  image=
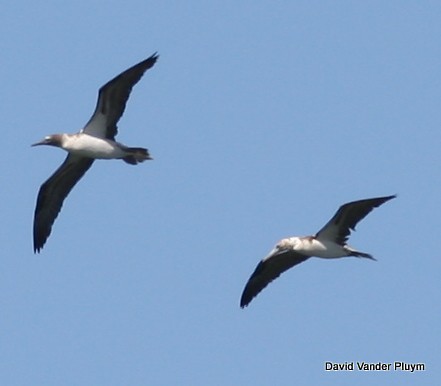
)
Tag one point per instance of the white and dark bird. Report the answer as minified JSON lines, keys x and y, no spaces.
{"x":95,"y":141}
{"x":328,"y":243}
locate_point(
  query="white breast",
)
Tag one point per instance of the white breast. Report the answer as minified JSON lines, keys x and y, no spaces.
{"x":93,"y":147}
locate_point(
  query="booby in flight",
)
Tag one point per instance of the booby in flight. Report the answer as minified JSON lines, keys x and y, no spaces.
{"x":95,"y":141}
{"x":328,"y":243}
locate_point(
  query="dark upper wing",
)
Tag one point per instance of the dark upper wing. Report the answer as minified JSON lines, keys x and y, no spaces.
{"x":52,"y":194}
{"x":347,"y":217}
{"x":266,"y":271}
{"x":112,"y":99}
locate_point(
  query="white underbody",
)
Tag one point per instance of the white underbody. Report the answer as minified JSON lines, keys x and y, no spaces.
{"x":310,"y":246}
{"x":320,"y":248}
{"x":87,"y":145}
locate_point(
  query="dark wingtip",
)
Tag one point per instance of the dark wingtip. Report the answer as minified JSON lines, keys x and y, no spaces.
{"x":38,"y":246}
{"x":145,"y":64}
{"x":154,"y":57}
{"x":39,"y":239}
{"x":384,"y":199}
{"x":249,"y":293}
{"x":244,"y":303}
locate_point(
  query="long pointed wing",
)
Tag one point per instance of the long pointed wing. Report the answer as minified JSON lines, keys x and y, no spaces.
{"x":52,"y":194}
{"x":112,"y":99}
{"x":346,"y":218}
{"x":267,"y":270}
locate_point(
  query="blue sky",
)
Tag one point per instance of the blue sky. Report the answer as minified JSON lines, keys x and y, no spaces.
{"x":262,"y":118}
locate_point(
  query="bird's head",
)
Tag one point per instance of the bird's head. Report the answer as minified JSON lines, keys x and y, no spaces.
{"x":288,"y":243}
{"x":52,"y":140}
{"x":282,"y":246}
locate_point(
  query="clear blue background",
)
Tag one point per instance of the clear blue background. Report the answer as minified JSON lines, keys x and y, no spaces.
{"x":262,"y":118}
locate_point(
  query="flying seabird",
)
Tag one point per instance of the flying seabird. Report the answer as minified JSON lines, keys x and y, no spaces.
{"x":328,"y":243}
{"x":95,"y":141}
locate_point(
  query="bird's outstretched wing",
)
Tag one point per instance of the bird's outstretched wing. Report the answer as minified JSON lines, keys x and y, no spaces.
{"x":267,"y":270}
{"x":52,"y":194}
{"x":346,"y":218}
{"x":112,"y":99}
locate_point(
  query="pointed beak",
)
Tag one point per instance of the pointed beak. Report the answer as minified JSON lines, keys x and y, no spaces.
{"x":42,"y":142}
{"x":274,"y":252}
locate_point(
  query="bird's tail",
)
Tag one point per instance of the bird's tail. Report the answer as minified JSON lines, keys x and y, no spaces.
{"x":362,"y":254}
{"x":136,"y":155}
